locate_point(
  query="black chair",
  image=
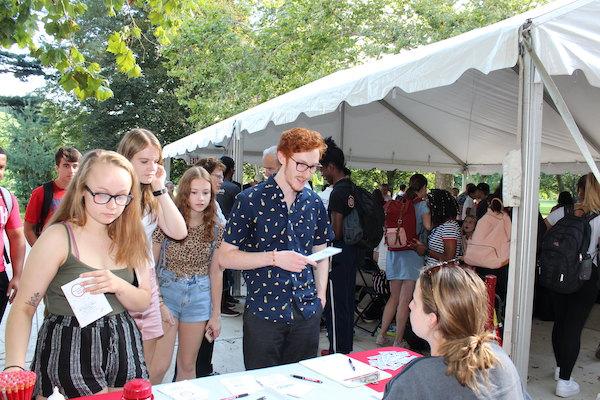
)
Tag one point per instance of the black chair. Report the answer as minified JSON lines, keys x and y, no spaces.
{"x":365,"y":288}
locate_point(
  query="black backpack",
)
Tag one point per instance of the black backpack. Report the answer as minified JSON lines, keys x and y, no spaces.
{"x":564,"y":263}
{"x":364,"y":225}
{"x":48,"y":194}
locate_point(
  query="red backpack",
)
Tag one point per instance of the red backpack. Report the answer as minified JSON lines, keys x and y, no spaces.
{"x":400,"y":224}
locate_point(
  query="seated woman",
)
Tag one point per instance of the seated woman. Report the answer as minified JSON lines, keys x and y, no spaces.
{"x":96,"y":235}
{"x":449,"y":310}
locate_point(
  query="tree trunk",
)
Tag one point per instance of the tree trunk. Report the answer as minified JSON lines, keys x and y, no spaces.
{"x":444,"y":181}
{"x":559,"y":181}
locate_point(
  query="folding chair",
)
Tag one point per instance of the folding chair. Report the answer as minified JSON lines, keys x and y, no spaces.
{"x":365,"y":288}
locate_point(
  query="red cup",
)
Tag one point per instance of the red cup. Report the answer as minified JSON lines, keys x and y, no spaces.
{"x":137,"y":389}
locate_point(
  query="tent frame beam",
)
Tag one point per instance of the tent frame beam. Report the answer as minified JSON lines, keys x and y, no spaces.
{"x":563,"y":109}
{"x":548,"y":100}
{"x":423,"y":133}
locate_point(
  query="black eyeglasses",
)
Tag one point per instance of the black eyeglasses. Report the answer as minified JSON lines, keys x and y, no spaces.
{"x":303,"y":167}
{"x":104,"y":198}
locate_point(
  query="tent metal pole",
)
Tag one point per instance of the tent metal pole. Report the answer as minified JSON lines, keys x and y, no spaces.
{"x":342,"y":124}
{"x":563,"y":110}
{"x":167,"y":166}
{"x":423,"y":133}
{"x":524,"y":262}
{"x":238,"y":158}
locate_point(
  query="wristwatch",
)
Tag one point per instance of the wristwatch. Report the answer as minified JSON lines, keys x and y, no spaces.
{"x":159,"y":192}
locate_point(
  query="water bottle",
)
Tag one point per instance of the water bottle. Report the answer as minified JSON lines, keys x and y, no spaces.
{"x":137,"y":389}
{"x":56,"y":395}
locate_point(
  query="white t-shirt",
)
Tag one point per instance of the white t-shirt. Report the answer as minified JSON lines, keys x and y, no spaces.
{"x":557,"y":214}
{"x":469,"y":203}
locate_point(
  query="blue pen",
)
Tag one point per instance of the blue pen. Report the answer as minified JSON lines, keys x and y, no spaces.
{"x":351,"y":365}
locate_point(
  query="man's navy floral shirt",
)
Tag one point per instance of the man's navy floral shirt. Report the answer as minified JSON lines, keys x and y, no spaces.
{"x":260,"y":221}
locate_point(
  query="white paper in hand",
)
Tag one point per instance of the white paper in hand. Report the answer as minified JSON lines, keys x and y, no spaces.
{"x":325,"y":253}
{"x":87,"y":307}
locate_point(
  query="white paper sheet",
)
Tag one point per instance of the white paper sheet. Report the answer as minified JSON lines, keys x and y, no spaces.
{"x":241,"y":384}
{"x":325,"y":253}
{"x":184,"y":390}
{"x":285,"y":385}
{"x":87,"y":307}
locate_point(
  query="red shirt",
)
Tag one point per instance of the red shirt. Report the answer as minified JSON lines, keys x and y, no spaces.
{"x":34,"y":207}
{"x":12,"y":221}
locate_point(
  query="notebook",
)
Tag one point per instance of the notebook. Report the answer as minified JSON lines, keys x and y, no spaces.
{"x":339,"y":367}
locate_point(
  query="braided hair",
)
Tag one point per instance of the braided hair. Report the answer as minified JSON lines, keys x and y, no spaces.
{"x":443,"y":206}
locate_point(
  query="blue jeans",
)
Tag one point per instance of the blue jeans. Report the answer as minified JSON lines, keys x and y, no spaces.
{"x":188,"y":297}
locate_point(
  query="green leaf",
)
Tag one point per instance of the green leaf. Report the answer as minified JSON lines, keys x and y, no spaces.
{"x":103,"y":93}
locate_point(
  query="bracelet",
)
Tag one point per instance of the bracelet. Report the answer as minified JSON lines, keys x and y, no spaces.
{"x":273,"y":256}
{"x":157,"y":193}
{"x":13,"y":366}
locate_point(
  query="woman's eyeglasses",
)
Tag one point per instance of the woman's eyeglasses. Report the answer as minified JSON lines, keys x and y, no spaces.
{"x":104,"y":198}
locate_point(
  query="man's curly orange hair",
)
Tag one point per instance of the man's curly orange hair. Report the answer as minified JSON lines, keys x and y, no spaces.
{"x":300,"y":140}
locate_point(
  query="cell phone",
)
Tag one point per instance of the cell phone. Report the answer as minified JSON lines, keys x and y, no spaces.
{"x":208,"y":335}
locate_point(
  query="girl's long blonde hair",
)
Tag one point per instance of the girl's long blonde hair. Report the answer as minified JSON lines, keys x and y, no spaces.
{"x":459,"y":299}
{"x":133,"y":142}
{"x":126,"y":232}
{"x":591,"y":198}
{"x":182,"y":200}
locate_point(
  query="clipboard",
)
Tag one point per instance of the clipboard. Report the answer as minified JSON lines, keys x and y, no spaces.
{"x":338,"y":367}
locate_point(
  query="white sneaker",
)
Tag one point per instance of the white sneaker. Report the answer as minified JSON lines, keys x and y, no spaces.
{"x":557,"y":373}
{"x":566,"y":388}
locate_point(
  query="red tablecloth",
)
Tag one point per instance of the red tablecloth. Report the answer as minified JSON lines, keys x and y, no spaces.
{"x":105,"y":396}
{"x":364,"y":357}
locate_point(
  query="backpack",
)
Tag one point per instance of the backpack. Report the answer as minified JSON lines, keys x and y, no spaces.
{"x":564,"y":263}
{"x":363,"y":226}
{"x":9,"y":206}
{"x":48,"y":195}
{"x":489,"y":247}
{"x":400,"y":224}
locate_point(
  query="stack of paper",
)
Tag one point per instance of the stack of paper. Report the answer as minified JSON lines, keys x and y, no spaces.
{"x":285,"y":385}
{"x":391,"y":360}
{"x":241,"y":384}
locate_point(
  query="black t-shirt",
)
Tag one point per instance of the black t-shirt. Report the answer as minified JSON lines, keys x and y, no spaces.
{"x":227,"y":197}
{"x":340,"y":197}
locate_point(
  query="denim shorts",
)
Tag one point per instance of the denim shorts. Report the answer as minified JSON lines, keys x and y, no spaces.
{"x":188,"y":297}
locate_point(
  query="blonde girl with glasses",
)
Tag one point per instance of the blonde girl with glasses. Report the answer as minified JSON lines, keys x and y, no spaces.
{"x":142,"y":148}
{"x":95,"y":234}
{"x":449,"y":310}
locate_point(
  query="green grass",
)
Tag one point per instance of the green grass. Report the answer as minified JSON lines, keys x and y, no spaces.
{"x":545,"y":206}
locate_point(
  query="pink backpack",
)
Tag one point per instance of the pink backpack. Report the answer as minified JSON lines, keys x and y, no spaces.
{"x":489,"y":247}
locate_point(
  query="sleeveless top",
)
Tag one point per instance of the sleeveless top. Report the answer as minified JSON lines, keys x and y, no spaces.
{"x":56,"y":302}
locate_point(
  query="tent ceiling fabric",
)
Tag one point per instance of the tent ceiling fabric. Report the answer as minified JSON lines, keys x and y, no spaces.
{"x":461,"y":92}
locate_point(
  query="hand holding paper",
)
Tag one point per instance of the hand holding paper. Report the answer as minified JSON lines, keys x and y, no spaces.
{"x":87,"y":307}
{"x":101,"y":281}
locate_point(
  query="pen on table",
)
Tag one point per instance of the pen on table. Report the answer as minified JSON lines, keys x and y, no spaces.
{"x":351,"y":365}
{"x":262,"y":398}
{"x":307,"y":379}
{"x":237,"y":396}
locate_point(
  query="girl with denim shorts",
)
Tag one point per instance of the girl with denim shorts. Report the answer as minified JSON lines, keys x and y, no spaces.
{"x":95,"y":235}
{"x":189,"y":277}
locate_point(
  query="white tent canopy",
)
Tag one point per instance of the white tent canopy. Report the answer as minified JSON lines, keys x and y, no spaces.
{"x":451,"y":106}
{"x":459,"y":105}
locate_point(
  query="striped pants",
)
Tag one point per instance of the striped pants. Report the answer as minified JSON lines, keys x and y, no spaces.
{"x":83,"y":361}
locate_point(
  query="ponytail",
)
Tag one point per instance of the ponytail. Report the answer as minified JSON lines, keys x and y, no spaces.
{"x":468,"y":358}
{"x":416,"y":183}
